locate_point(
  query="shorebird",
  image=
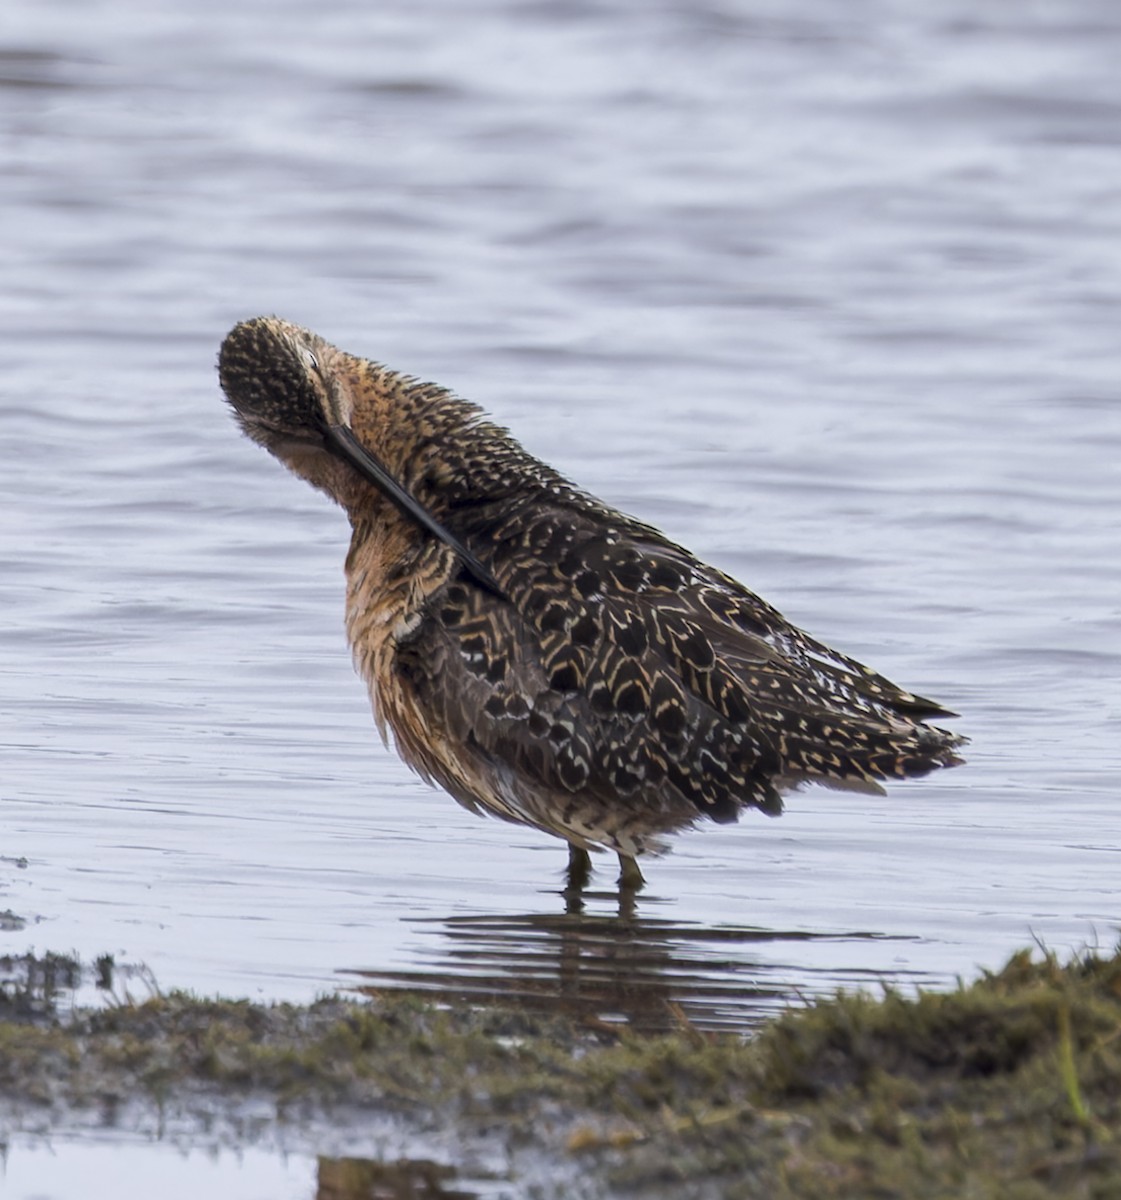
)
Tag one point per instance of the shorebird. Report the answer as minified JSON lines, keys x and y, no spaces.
{"x":540,"y":655}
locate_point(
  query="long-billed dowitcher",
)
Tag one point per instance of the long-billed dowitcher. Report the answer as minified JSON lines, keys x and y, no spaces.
{"x":540,"y":655}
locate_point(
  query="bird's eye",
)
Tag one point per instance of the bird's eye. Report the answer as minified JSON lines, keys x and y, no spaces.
{"x":310,"y":358}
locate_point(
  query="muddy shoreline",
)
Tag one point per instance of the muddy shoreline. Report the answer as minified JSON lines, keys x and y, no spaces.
{"x":1009,"y":1087}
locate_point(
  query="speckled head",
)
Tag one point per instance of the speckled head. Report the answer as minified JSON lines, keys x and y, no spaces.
{"x":288,"y":389}
{"x":295,"y":394}
{"x":269,"y":370}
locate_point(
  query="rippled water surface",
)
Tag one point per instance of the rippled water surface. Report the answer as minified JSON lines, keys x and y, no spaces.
{"x":830,"y":293}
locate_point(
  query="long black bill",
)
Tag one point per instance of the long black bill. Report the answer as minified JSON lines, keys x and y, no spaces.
{"x":361,"y":458}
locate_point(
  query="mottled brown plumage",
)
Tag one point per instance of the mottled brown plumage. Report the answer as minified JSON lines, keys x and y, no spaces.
{"x":581,"y":673}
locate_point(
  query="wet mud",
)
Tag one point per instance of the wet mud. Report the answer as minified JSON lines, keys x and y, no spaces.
{"x":1009,"y":1087}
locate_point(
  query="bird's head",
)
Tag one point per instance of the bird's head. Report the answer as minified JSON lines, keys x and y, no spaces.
{"x":349,"y":426}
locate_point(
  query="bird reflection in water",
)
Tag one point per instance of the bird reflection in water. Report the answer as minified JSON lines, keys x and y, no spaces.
{"x":622,"y":970}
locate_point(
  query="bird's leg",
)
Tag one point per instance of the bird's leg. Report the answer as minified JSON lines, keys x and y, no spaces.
{"x":579,"y":870}
{"x":630,"y":877}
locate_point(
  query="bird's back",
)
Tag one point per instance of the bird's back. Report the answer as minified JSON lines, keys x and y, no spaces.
{"x":627,"y":689}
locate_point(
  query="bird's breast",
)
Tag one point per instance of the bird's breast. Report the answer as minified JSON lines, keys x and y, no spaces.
{"x":390,"y":576}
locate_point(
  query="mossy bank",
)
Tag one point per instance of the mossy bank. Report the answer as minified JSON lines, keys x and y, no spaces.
{"x":1009,"y":1088}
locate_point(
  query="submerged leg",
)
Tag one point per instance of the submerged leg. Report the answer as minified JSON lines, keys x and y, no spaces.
{"x":630,"y":877}
{"x":579,"y":869}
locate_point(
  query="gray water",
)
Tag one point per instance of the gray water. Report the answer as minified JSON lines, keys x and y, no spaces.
{"x":831,"y":293}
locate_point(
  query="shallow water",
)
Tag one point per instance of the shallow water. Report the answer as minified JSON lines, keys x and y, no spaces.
{"x":55,"y":1170}
{"x":830,"y":295}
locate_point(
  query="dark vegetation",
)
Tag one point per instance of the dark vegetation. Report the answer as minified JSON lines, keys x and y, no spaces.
{"x":1008,"y":1089}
